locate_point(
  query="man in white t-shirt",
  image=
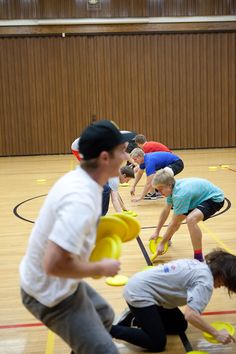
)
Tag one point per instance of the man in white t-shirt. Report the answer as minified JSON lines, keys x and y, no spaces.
{"x":57,"y":257}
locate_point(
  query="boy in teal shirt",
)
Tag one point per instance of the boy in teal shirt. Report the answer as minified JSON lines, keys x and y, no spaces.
{"x":193,"y":199}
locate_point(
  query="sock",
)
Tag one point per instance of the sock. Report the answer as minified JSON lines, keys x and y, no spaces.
{"x":198,"y":255}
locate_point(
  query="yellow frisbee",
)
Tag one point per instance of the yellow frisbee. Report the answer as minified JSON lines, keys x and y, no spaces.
{"x":110,"y":225}
{"x":118,"y":245}
{"x":219,"y":325}
{"x":130,"y":212}
{"x":153,"y":244}
{"x":108,"y":247}
{"x":132,"y":224}
{"x":117,"y":280}
{"x":212,"y":168}
{"x":148,"y":267}
{"x":125,"y":184}
{"x":197,"y":352}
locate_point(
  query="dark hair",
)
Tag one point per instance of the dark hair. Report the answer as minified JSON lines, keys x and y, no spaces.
{"x":140,"y":139}
{"x":128,"y":171}
{"x":223,"y":266}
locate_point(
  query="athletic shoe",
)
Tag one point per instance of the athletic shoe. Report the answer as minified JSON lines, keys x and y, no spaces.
{"x":153,"y":196}
{"x":148,"y":195}
{"x":125,"y":319}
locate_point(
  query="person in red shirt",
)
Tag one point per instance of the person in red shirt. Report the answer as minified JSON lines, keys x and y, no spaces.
{"x":149,"y":146}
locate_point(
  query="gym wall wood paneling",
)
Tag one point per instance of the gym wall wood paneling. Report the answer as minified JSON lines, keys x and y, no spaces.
{"x":179,"y":89}
{"x":16,"y":9}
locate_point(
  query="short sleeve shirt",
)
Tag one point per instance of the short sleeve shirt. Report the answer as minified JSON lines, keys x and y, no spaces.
{"x":188,"y":193}
{"x":69,"y":218}
{"x":114,"y":183}
{"x":154,"y":161}
{"x":177,"y":283}
{"x":154,"y":146}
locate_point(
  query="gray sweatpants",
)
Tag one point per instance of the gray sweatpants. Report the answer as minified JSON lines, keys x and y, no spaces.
{"x":82,"y":320}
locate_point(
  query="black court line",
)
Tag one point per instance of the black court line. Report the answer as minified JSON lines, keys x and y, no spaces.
{"x":144,"y":252}
{"x":16,"y":213}
{"x":231,"y":169}
{"x":15,"y":210}
{"x":187,"y":345}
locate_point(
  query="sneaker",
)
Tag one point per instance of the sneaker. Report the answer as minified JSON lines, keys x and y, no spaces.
{"x":153,"y":196}
{"x":125,"y":319}
{"x":147,"y":196}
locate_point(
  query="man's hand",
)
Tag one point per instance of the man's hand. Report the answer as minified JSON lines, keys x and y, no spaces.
{"x":108,"y":267}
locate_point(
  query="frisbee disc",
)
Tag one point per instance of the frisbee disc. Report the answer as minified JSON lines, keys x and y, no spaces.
{"x":110,"y":225}
{"x":117,"y":280}
{"x":107,"y":247}
{"x":153,"y":244}
{"x":118,"y":241}
{"x":219,"y":325}
{"x":125,"y":184}
{"x":197,"y":352}
{"x":148,"y":267}
{"x":212,"y":168}
{"x":130,"y":212}
{"x":132,"y":224}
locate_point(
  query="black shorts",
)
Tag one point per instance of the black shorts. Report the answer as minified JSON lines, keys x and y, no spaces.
{"x":208,"y":208}
{"x":177,"y":166}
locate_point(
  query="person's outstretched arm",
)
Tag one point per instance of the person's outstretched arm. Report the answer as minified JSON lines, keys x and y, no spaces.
{"x":172,"y":227}
{"x":138,"y":176}
{"x":162,"y":219}
{"x":197,"y":321}
{"x":115,"y":199}
{"x":146,"y":188}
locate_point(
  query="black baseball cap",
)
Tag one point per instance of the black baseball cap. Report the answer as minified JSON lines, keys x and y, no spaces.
{"x":101,"y":136}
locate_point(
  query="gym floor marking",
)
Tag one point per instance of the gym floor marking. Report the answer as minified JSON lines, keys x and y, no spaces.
{"x":39,"y":324}
{"x":215,"y":237}
{"x":50,"y":343}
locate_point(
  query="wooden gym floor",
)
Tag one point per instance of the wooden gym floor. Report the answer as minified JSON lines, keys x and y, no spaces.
{"x":24,"y":182}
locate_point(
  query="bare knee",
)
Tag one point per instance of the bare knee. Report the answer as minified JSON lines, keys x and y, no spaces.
{"x":191,"y":220}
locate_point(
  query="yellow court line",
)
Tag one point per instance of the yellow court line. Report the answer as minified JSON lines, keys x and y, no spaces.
{"x":72,"y":166}
{"x":215,"y":237}
{"x":50,"y":343}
